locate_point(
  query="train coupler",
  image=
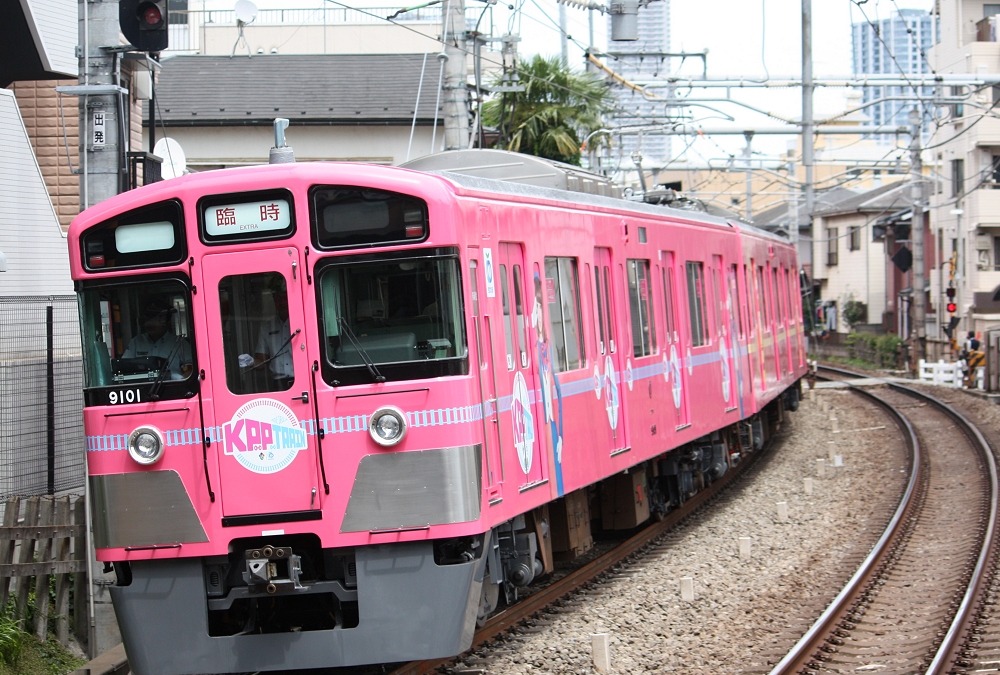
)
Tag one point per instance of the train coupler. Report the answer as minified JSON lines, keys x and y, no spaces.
{"x":272,"y":569}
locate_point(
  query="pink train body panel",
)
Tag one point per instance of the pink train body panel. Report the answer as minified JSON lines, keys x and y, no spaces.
{"x":378,"y":457}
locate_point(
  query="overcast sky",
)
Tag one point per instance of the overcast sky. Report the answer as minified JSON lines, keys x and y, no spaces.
{"x":744,"y":38}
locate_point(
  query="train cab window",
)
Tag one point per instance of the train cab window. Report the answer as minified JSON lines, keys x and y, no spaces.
{"x":343,"y":215}
{"x":146,"y":237}
{"x":696,"y":302}
{"x":640,"y":308}
{"x":256,"y":335}
{"x":392,"y":318}
{"x":138,"y":342}
{"x":562,"y":295}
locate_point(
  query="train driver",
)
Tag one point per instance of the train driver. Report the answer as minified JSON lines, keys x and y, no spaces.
{"x":158,"y":340}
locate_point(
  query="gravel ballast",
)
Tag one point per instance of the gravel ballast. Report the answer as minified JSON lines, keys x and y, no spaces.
{"x":806,"y":538}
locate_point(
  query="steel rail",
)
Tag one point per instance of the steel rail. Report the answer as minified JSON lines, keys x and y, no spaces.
{"x":804,"y":651}
{"x":949,"y":652}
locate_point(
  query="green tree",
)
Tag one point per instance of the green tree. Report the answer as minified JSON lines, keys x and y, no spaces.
{"x":553,"y":115}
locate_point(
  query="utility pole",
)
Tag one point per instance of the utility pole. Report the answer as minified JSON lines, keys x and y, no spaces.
{"x":748,"y":157}
{"x":807,"y":110}
{"x":456,"y":91}
{"x":102,"y":119}
{"x":917,"y":330}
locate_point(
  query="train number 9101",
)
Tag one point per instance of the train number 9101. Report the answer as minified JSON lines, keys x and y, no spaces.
{"x":124,"y":396}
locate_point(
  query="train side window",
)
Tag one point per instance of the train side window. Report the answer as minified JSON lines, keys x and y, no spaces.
{"x":717,"y":295}
{"x":562,"y":294}
{"x":779,"y":300}
{"x":696,"y":302}
{"x":508,"y":325}
{"x":640,"y":307}
{"x":599,"y":315}
{"x":668,"y":300}
{"x":474,"y":295}
{"x":793,"y":315}
{"x":736,"y":301}
{"x":764,"y":299}
{"x":521,"y":317}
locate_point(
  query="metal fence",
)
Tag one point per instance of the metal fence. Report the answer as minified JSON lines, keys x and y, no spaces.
{"x":41,"y":401}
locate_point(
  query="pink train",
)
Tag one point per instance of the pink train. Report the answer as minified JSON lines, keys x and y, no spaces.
{"x":336,"y":413}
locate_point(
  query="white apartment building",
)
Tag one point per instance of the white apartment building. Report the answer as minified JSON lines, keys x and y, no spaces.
{"x":966,"y":145}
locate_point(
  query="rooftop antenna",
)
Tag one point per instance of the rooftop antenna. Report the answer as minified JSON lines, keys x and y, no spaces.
{"x":246,"y":12}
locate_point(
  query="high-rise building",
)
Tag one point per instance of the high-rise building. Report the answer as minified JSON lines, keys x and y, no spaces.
{"x":894,"y":46}
{"x":642,"y":120}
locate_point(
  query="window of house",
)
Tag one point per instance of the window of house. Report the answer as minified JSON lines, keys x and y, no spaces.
{"x":957,"y":177}
{"x":854,"y":240}
{"x":832,"y":237}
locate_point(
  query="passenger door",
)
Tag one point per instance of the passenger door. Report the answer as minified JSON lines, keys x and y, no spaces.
{"x":675,"y":372}
{"x":485,"y":362}
{"x":261,"y":385}
{"x":519,"y":368}
{"x":609,"y":369}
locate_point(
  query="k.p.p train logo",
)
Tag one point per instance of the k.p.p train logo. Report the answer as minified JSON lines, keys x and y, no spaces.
{"x":264,"y":436}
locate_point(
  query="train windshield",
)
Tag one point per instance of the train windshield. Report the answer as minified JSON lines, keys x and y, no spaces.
{"x":137,"y":340}
{"x":392,"y":319}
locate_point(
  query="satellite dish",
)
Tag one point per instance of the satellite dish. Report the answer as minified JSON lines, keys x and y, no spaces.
{"x":246,"y":12}
{"x":172,"y":154}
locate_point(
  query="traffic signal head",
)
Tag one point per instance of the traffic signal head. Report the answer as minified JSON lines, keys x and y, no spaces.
{"x":951,"y":307}
{"x":144,"y":23}
{"x":950,"y":291}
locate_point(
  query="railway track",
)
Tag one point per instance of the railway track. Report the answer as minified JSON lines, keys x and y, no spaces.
{"x":594,"y":568}
{"x":917,"y":602}
{"x":911,"y":616}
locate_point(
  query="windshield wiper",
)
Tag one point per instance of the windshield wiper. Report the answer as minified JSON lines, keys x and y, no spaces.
{"x":376,"y":375}
{"x":154,"y":391}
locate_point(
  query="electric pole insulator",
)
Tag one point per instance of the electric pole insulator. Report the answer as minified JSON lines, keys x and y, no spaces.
{"x":144,"y":23}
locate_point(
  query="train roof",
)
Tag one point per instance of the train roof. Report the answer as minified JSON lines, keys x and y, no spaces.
{"x":517,"y":174}
{"x":492,"y":171}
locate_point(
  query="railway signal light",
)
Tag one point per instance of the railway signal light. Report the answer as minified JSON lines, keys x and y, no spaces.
{"x":144,"y":23}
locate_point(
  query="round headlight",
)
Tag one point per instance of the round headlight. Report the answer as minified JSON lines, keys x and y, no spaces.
{"x":145,"y":445}
{"x":387,"y":426}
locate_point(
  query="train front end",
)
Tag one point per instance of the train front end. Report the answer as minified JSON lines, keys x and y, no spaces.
{"x":284,"y":439}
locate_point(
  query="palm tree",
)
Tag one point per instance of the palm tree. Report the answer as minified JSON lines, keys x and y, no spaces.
{"x":556,"y":110}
